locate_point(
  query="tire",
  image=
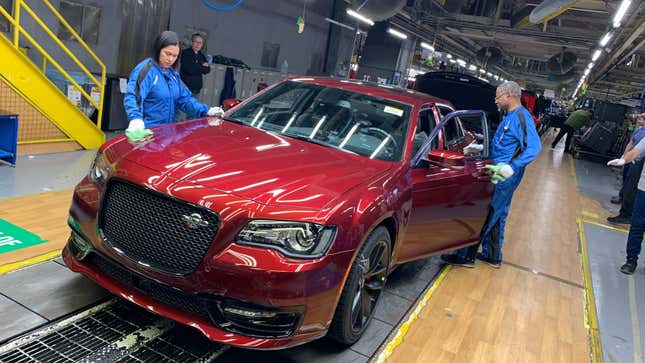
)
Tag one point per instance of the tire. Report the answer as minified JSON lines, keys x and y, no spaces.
{"x":366,"y":280}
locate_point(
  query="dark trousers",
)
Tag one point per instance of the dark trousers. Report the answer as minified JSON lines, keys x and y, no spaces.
{"x":635,"y":238}
{"x":631,"y":176}
{"x":565,"y":129}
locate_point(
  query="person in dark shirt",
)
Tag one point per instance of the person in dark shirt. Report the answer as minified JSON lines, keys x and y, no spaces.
{"x":194,"y":65}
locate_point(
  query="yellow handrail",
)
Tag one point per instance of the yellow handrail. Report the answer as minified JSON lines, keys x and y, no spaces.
{"x":18,"y":30}
{"x":60,"y":44}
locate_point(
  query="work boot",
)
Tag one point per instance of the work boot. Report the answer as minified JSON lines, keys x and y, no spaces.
{"x":493,"y":263}
{"x":619,"y":219}
{"x":616,"y":199}
{"x":456,"y":260}
{"x":629,"y":267}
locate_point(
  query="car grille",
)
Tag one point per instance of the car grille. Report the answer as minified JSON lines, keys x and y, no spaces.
{"x":178,"y":299}
{"x":152,"y":228}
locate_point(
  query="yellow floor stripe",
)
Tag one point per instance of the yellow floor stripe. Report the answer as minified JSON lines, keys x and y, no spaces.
{"x":589,"y":214}
{"x":28,"y":262}
{"x":573,"y":172}
{"x":617,"y":229}
{"x":412,"y":316}
{"x":591,"y":317}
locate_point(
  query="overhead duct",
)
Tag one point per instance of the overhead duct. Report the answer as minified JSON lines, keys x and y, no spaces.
{"x":550,"y":9}
{"x":568,"y":77}
{"x":561,"y":63}
{"x":489,"y":55}
{"x":378,"y":10}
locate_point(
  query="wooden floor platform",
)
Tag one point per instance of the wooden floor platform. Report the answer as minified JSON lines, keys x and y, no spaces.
{"x":515,"y":314}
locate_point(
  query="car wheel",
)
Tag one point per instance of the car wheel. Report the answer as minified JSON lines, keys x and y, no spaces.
{"x":362,"y":289}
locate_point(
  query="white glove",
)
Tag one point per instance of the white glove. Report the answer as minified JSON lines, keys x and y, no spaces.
{"x":506,"y":171}
{"x":215,"y":111}
{"x":136,"y":124}
{"x":616,"y":162}
{"x":473,"y":148}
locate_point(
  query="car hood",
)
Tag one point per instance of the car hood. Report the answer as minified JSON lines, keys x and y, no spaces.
{"x":254,"y":164}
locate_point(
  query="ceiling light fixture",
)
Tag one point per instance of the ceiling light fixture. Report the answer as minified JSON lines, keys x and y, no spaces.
{"x":360,"y":17}
{"x":596,"y":55}
{"x":605,"y":40}
{"x":426,"y":46}
{"x":397,"y":33}
{"x":620,"y":13}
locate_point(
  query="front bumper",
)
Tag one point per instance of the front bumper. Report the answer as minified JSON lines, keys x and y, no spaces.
{"x":219,"y":317}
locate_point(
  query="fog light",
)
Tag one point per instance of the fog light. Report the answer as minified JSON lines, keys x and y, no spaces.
{"x":78,"y":246}
{"x":250,"y":313}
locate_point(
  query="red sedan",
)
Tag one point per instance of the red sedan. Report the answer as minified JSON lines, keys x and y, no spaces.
{"x":278,"y":223}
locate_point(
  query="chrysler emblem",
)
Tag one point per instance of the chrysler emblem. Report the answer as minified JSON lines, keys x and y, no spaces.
{"x":194,"y":221}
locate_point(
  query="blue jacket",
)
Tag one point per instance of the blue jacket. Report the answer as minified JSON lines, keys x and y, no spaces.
{"x":509,"y":136}
{"x":157,"y":96}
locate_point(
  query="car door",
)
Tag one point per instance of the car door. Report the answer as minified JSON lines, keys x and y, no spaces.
{"x":451,"y":191}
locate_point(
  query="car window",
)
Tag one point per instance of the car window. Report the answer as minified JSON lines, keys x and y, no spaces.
{"x":425,"y":125}
{"x":452,"y":132}
{"x":350,"y":121}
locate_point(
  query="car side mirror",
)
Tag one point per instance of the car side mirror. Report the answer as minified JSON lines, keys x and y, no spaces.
{"x":447,"y":159}
{"x":229,"y":103}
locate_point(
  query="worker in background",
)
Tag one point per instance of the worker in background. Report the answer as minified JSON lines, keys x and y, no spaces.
{"x":637,"y":228}
{"x":194,"y":65}
{"x":576,"y":120}
{"x":515,"y":144}
{"x":155,"y":91}
{"x":631,"y":175}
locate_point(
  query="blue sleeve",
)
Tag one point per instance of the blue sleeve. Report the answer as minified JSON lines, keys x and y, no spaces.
{"x":533,"y":143}
{"x":187,"y":103}
{"x":133,"y":106}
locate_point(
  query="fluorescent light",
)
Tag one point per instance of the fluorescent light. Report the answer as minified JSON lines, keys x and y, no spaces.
{"x":605,"y":40}
{"x":453,"y":61}
{"x":424,"y":45}
{"x":461,"y":62}
{"x":481,"y":70}
{"x":449,"y":56}
{"x":360,"y":17}
{"x":397,"y":33}
{"x":472,"y":67}
{"x":620,"y":13}
{"x":489,"y":74}
{"x":596,"y":55}
{"x":587,"y":71}
{"x":496,"y":77}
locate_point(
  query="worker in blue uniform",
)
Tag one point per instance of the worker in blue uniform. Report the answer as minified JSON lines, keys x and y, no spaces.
{"x":155,"y":91}
{"x":515,"y":144}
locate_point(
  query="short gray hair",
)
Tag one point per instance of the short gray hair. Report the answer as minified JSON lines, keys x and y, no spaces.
{"x":511,"y":88}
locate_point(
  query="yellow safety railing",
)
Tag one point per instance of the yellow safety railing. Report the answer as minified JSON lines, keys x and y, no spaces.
{"x":18,"y":30}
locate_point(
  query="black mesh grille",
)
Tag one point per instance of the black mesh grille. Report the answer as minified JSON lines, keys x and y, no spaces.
{"x":162,"y":293}
{"x":151,"y":227}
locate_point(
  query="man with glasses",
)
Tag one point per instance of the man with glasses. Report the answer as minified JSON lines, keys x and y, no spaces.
{"x":515,"y":144}
{"x":194,"y":65}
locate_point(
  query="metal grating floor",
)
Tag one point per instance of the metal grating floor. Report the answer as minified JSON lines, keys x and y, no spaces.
{"x":115,"y":332}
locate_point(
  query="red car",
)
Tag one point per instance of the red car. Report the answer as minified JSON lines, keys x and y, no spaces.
{"x":278,"y":223}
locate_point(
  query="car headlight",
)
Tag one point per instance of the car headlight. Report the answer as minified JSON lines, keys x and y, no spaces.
{"x":295,"y":239}
{"x":100,"y":169}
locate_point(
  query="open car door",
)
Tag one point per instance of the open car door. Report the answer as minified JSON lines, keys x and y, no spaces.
{"x":451,"y":190}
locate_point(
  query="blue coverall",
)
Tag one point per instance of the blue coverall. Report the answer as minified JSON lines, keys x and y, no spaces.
{"x":155,"y":99}
{"x":508,"y":138}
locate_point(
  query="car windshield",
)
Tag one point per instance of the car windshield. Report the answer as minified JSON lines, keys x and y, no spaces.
{"x":353,"y":122}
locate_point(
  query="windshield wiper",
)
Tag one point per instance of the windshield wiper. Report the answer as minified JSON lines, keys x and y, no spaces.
{"x":317,"y":142}
{"x":234,"y":120}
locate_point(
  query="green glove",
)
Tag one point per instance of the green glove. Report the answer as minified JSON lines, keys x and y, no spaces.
{"x":497,"y":178}
{"x":501,"y":172}
{"x":137,"y":135}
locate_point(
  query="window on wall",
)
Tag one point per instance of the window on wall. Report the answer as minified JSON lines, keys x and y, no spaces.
{"x":5,"y":25}
{"x":84,"y":19}
{"x":270,"y":53}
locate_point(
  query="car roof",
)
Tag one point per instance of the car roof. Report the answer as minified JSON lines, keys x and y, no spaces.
{"x":389,"y":92}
